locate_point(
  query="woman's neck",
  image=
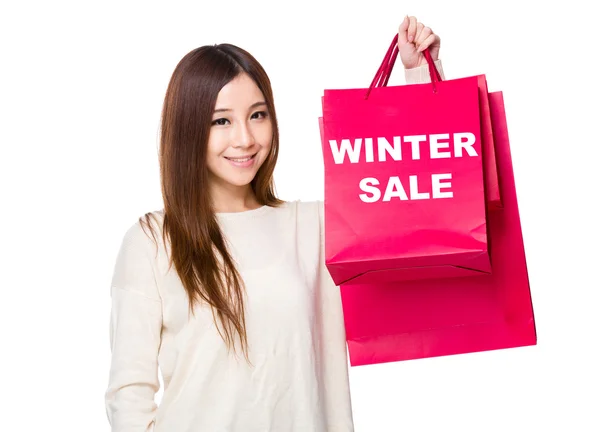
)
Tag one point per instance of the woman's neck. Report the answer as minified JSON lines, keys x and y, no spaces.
{"x":234,"y":199}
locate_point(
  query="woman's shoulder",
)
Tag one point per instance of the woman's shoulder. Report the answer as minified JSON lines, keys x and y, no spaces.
{"x":305,"y":209}
{"x":145,"y":231}
{"x":305,"y":205}
{"x":308,"y":214}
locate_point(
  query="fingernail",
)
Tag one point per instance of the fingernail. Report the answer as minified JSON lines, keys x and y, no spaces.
{"x":410,"y":38}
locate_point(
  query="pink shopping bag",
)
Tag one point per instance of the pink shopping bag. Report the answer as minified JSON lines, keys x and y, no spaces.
{"x":417,"y":319}
{"x":404,"y":185}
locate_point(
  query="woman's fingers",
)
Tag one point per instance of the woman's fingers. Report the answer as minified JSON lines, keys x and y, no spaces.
{"x":422,"y":34}
{"x":412,"y":29}
{"x":429,"y":41}
{"x":403,"y":32}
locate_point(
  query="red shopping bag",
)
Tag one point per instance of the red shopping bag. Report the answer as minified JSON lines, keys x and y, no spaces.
{"x":490,"y":172}
{"x":492,"y":191}
{"x":404,"y":187}
{"x":428,"y":318}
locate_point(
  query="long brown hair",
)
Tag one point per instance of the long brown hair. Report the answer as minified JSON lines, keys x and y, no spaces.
{"x":198,"y":248}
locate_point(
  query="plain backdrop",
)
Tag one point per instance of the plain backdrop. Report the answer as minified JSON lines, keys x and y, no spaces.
{"x":81,"y":90}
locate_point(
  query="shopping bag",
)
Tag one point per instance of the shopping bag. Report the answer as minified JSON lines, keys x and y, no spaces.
{"x":404,"y":188}
{"x":417,"y":319}
{"x":492,"y":190}
{"x":490,"y":172}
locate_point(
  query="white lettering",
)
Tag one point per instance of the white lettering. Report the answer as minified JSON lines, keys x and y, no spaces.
{"x":415,"y":141}
{"x":394,"y":189}
{"x":414,"y":189}
{"x":439,"y":147}
{"x":384,"y":146}
{"x":435,"y":144}
{"x":369,"y":149}
{"x":459,"y":144}
{"x":437,"y":185}
{"x":346,"y":147}
{"x":366,"y":186}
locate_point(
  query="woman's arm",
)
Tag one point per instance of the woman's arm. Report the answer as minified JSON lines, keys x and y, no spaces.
{"x":334,"y":355}
{"x":135,"y":329}
{"x":420,"y":74}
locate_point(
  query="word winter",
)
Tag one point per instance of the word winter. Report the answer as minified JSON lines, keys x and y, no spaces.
{"x":439,"y":147}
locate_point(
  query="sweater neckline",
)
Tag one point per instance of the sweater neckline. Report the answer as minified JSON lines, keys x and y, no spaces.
{"x":244,"y":214}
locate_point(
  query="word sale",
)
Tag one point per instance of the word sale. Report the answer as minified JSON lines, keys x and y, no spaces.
{"x":395,"y":189}
{"x":436,"y":146}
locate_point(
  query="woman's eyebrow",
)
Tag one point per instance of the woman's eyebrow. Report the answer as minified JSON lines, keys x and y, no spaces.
{"x":254,"y":105}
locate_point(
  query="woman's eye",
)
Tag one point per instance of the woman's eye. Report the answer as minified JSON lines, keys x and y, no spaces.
{"x":259,"y":114}
{"x":220,"y":122}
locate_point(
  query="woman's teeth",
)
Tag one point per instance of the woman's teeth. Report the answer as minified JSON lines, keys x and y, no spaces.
{"x":241,"y":160}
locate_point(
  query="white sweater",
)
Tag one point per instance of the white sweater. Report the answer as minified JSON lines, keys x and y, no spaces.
{"x":299,"y":378}
{"x":298,"y":381}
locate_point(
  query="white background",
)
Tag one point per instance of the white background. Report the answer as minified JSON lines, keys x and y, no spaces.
{"x":81,"y":90}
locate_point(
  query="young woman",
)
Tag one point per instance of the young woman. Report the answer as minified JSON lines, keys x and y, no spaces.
{"x":226,"y":287}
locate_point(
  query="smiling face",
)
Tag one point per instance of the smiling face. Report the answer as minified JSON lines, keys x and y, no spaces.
{"x":240,"y":136}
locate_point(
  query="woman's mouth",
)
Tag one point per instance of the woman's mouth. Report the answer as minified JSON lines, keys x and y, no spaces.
{"x":242,"y":162}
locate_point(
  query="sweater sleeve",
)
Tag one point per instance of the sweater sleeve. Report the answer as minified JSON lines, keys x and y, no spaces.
{"x":135,"y":329}
{"x":333,"y":346}
{"x":420,"y":74}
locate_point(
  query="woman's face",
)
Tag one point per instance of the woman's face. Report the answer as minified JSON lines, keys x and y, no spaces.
{"x":240,"y":135}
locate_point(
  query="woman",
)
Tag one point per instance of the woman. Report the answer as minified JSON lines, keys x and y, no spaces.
{"x":226,"y":287}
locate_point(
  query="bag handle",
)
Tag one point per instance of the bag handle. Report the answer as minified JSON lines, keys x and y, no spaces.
{"x":387,"y":65}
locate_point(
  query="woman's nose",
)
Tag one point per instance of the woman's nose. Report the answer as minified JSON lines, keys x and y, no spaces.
{"x":244,"y":137}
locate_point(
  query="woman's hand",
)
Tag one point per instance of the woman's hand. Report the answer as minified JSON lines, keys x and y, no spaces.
{"x":413,"y":38}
